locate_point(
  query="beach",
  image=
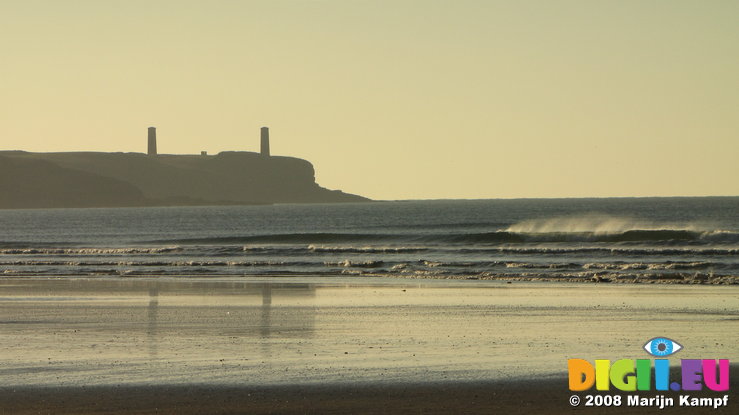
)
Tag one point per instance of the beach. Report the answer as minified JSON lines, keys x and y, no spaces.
{"x":333,"y":345}
{"x":369,"y":207}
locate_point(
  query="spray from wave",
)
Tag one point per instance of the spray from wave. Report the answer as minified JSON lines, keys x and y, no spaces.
{"x":596,"y":224}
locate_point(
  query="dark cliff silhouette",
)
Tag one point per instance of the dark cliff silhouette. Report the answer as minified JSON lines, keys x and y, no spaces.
{"x":88,"y":179}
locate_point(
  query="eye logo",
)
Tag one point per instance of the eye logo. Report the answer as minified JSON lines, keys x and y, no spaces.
{"x":661,"y":347}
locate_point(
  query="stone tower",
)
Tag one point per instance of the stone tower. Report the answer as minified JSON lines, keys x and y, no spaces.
{"x":152,"y":141}
{"x":265,"y":141}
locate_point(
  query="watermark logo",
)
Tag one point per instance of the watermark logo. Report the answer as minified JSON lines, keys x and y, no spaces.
{"x":644,"y":375}
{"x":662,"y":346}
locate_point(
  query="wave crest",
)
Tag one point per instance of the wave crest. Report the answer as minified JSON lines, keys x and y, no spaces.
{"x":595,"y":224}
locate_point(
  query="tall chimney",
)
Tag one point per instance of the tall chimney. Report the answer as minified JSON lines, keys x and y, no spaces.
{"x":152,"y":141}
{"x":265,"y":141}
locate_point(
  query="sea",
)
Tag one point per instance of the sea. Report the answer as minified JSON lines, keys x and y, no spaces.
{"x":684,"y":240}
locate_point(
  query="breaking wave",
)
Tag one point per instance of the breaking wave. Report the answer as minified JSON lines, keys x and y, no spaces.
{"x":637,"y":235}
{"x":592,"y":223}
{"x":316,"y":240}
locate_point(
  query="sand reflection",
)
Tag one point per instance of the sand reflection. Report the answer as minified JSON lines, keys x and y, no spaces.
{"x":152,"y":313}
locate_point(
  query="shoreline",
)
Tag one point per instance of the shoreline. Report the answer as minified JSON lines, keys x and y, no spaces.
{"x":598,"y":279}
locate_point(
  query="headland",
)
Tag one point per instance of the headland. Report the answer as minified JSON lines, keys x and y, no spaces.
{"x":95,"y":179}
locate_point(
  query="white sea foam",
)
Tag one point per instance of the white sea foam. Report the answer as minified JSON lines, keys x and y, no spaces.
{"x":355,"y":264}
{"x":88,"y":251}
{"x":648,"y":266}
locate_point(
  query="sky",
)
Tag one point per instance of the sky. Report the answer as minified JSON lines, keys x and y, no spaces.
{"x":393,"y":99}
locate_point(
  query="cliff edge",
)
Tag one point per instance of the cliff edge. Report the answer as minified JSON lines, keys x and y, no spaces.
{"x":89,"y":179}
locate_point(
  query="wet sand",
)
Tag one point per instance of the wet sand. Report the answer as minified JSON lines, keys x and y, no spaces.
{"x":301,"y":345}
{"x":506,"y":397}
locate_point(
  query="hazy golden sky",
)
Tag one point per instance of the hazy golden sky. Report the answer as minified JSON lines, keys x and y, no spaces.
{"x":393,"y":99}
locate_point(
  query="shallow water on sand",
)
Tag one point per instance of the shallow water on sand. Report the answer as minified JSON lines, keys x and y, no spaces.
{"x":306,"y":330}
